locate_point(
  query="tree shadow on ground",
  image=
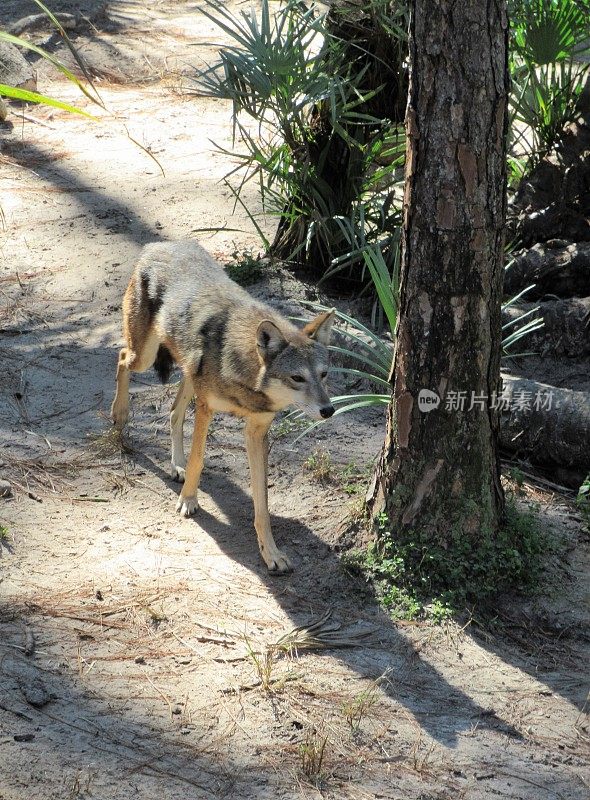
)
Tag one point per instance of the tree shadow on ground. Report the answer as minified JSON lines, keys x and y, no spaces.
{"x":110,"y":38}
{"x":107,"y":211}
{"x":73,"y":735}
{"x":319,"y":583}
{"x":442,"y":710}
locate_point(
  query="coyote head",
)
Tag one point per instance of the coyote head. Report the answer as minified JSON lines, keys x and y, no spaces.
{"x":296,"y":366}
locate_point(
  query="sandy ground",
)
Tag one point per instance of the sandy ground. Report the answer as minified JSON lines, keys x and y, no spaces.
{"x":132,"y":642}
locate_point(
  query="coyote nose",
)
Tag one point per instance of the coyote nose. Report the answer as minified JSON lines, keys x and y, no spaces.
{"x":327,"y":411}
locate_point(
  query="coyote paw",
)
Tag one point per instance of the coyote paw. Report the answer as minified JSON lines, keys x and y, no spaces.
{"x":178,"y":473}
{"x":187,"y":505}
{"x":277,"y":562}
{"x":119,"y":417}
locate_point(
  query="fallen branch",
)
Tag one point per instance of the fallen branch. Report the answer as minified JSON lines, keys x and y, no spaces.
{"x":565,"y":331}
{"x":556,"y":219}
{"x":67,"y":21}
{"x":556,"y":267}
{"x":549,"y":426}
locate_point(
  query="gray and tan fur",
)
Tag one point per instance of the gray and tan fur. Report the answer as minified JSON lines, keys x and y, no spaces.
{"x":236,"y":354}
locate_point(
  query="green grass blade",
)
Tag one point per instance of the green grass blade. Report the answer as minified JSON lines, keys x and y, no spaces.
{"x":76,"y":56}
{"x":375,"y":367}
{"x":524,"y":315}
{"x":251,"y":217}
{"x":34,"y":97}
{"x":350,"y":320}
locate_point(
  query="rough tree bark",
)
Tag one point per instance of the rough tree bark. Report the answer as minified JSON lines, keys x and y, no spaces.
{"x":439,"y":471}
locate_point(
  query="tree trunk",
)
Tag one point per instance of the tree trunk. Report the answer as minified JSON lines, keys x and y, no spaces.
{"x":439,"y":470}
{"x":336,"y":168}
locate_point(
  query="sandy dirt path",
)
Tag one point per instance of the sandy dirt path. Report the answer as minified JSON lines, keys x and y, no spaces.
{"x":132,"y":642}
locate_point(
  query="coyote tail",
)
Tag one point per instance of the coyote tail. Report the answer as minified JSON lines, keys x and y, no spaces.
{"x":164,"y":363}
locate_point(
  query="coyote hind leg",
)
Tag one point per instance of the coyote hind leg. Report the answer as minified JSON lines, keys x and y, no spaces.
{"x":183,"y":398}
{"x":120,"y":406}
{"x":137,"y":357}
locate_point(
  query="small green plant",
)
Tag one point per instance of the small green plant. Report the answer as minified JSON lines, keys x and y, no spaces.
{"x":324,"y":162}
{"x":286,"y":424}
{"x":312,"y":753}
{"x":516,"y":170}
{"x":388,"y":579}
{"x":3,"y":533}
{"x":517,"y":476}
{"x":263,"y":662}
{"x":245,"y":268}
{"x":439,"y":611}
{"x":401,"y":603}
{"x":319,"y":463}
{"x":412,"y":578}
{"x":358,"y":708}
{"x":353,"y":479}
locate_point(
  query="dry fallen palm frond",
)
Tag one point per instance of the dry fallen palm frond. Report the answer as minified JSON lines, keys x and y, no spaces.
{"x":319,"y":635}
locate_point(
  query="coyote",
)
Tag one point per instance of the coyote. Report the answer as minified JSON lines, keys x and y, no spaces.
{"x":236,"y":354}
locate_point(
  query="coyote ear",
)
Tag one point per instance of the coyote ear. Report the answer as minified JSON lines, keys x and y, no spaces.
{"x":321,"y":327}
{"x":269,"y":340}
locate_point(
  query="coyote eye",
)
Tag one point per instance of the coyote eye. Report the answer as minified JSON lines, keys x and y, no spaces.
{"x":298,"y":378}
{"x":324,"y":374}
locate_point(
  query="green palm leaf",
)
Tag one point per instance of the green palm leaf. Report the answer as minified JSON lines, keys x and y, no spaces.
{"x":34,"y":97}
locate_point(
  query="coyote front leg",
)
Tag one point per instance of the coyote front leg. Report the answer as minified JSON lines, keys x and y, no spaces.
{"x":257,"y":448}
{"x":187,"y":502}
